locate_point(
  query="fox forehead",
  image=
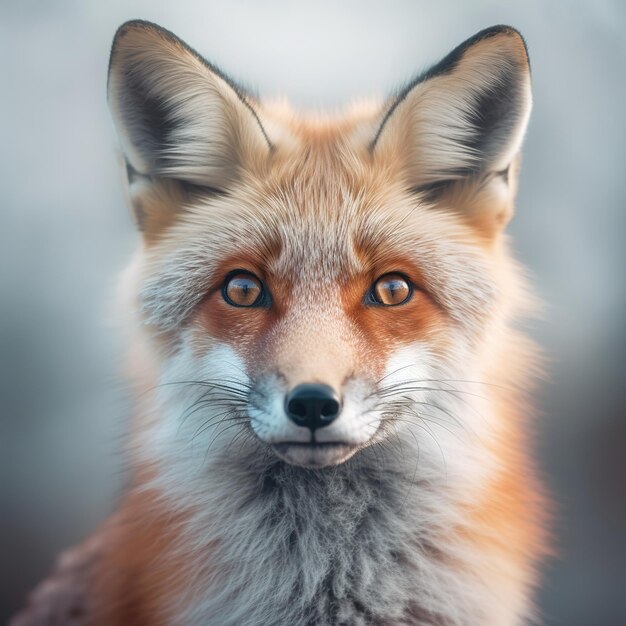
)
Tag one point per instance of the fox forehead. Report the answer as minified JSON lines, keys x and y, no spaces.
{"x":321,"y":215}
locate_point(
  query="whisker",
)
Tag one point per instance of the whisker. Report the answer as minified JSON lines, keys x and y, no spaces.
{"x":413,"y":480}
{"x":392,"y":373}
{"x":236,"y":422}
{"x":214,"y":421}
{"x":424,"y":426}
{"x":202,"y":403}
{"x":236,"y":386}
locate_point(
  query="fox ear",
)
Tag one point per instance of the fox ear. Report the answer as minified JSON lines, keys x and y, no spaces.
{"x":464,"y":118}
{"x":177,"y":116}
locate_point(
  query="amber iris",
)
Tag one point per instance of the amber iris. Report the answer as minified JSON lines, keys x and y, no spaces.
{"x":392,"y":289}
{"x":242,"y":290}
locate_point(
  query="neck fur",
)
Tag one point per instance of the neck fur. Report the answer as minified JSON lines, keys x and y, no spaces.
{"x":363,"y":543}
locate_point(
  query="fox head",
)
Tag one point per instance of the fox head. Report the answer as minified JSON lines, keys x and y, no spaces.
{"x":317,"y":289}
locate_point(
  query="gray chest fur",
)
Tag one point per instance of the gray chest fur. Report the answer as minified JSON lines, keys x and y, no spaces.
{"x":351,"y":545}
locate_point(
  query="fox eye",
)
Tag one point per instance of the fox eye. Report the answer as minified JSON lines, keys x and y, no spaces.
{"x":391,"y":290}
{"x":243,"y":289}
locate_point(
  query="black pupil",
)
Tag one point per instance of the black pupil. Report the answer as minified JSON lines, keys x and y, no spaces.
{"x":243,"y":290}
{"x":245,"y":286}
{"x":394,"y":286}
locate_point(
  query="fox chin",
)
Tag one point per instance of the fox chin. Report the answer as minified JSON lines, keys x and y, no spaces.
{"x":332,"y":417}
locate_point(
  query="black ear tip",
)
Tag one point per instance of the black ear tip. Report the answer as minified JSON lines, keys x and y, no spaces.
{"x":502,"y":30}
{"x":497,"y":29}
{"x":122,"y":31}
{"x":134,"y":25}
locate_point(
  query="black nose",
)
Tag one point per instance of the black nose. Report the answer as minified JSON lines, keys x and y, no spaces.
{"x":312,"y":405}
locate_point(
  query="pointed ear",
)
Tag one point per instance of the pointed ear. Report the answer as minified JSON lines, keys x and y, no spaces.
{"x":178,"y":117}
{"x":464,"y":119}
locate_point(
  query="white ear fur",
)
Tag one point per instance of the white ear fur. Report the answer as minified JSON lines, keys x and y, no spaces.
{"x":466,"y":115}
{"x":177,"y":116}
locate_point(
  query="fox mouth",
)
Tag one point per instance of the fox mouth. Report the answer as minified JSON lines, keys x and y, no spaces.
{"x":313,"y":454}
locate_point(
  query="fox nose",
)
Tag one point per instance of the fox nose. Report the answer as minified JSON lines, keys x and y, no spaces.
{"x":312,"y":405}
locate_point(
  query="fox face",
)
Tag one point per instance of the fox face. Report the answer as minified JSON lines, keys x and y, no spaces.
{"x":314,"y":289}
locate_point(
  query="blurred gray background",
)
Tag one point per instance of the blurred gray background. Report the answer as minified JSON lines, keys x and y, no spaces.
{"x":65,"y":233}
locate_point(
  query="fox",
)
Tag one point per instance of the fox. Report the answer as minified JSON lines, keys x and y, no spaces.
{"x":333,"y":421}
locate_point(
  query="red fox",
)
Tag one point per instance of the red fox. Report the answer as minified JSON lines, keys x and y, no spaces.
{"x":332,"y":420}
